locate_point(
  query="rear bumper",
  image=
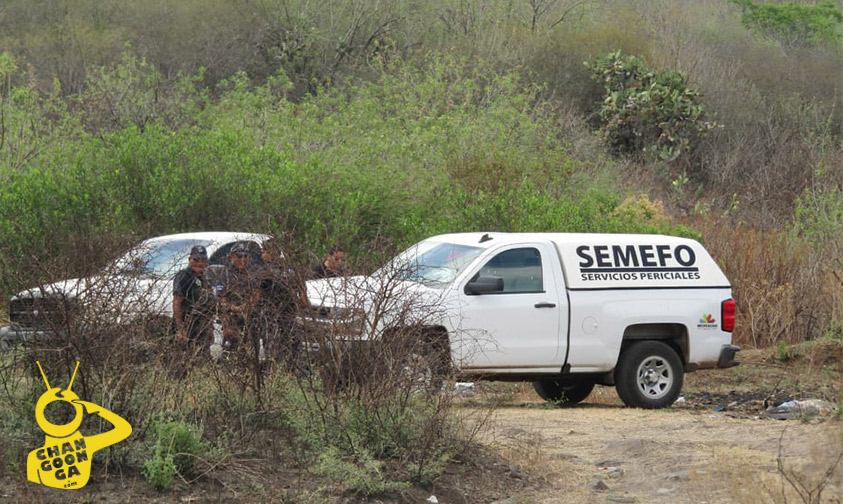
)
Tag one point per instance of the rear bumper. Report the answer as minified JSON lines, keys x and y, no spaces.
{"x":727,"y":356}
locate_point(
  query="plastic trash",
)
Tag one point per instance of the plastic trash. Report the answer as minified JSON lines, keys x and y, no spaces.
{"x":464,"y":389}
{"x":216,"y":351}
{"x":796,"y":409}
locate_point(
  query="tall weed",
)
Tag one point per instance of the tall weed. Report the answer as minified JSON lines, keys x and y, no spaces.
{"x":780,"y":293}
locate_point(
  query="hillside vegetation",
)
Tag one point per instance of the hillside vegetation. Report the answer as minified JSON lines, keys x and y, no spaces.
{"x":376,"y":123}
{"x":373,"y":124}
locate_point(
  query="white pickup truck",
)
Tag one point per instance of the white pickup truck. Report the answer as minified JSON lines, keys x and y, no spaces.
{"x":565,"y":311}
{"x":137,"y":286}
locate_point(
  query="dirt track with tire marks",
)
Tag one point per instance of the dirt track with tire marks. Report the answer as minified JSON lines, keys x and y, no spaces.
{"x":679,"y":455}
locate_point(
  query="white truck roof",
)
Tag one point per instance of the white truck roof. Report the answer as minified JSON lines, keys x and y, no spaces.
{"x":617,"y":261}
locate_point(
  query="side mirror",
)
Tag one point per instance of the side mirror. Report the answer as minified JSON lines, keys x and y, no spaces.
{"x":484,"y":285}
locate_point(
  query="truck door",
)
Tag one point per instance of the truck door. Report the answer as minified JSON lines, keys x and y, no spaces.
{"x":520,"y":326}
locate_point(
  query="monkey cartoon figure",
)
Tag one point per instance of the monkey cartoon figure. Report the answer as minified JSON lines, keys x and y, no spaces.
{"x":65,"y":459}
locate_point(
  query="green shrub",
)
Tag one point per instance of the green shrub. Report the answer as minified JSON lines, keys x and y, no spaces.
{"x":793,"y":24}
{"x":176,"y":447}
{"x":412,"y":431}
{"x":134,"y":92}
{"x":834,"y":331}
{"x":648,"y":112}
{"x":160,"y":469}
{"x":819,"y":218}
{"x":782,"y":351}
{"x":362,"y":474}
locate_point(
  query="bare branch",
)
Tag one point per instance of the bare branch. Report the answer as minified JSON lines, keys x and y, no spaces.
{"x":568,"y":11}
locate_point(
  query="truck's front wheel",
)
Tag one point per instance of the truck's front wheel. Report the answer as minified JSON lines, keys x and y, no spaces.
{"x":649,"y":375}
{"x":563,"y":392}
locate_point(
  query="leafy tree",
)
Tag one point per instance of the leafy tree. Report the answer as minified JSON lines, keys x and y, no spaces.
{"x":648,"y":112}
{"x":134,"y":92}
{"x":31,"y":121}
{"x":793,"y":24}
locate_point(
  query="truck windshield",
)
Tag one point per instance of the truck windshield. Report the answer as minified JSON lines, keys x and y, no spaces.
{"x":157,"y":259}
{"x":431,"y":263}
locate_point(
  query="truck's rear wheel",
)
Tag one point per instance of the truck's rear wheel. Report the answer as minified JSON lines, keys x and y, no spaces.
{"x":563,"y":392}
{"x":649,"y":375}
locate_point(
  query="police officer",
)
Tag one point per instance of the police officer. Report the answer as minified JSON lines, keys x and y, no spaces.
{"x":278,"y":302}
{"x":239,"y":293}
{"x":331,"y":266}
{"x":193,"y":302}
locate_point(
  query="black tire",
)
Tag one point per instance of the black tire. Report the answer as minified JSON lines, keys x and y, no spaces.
{"x":649,"y":375}
{"x":563,"y":392}
{"x":428,"y":366}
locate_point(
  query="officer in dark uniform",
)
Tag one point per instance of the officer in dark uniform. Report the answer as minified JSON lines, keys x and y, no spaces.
{"x":239,"y":294}
{"x":278,"y":302}
{"x":193,"y":303}
{"x":331,"y":266}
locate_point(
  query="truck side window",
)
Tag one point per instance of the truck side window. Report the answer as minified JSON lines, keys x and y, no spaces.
{"x":520,"y":269}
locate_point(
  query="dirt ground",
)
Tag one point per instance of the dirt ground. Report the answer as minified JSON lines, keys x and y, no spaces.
{"x":718,"y":446}
{"x":683,"y":456}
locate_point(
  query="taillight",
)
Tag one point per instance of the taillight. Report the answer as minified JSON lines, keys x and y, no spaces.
{"x":727,"y":315}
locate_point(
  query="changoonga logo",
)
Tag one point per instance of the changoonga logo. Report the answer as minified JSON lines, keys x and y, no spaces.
{"x":65,"y":459}
{"x":707,"y":321}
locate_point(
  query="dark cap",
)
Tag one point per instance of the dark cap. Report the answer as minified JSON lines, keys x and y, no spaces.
{"x":198,"y":252}
{"x":239,"y":248}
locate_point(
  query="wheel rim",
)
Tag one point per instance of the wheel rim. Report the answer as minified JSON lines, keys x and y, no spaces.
{"x":417,"y":370}
{"x":655,"y":377}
